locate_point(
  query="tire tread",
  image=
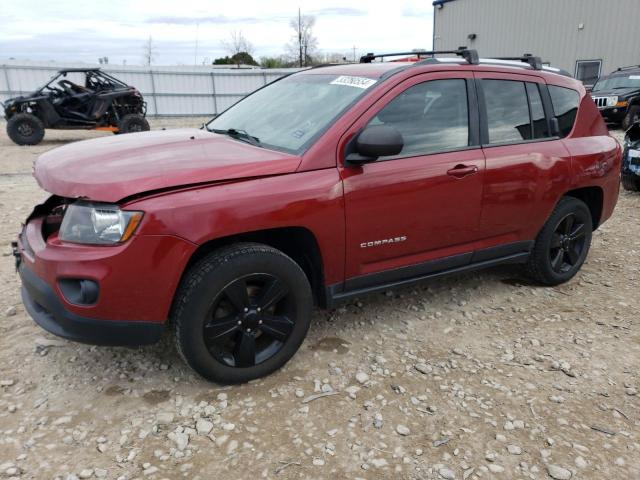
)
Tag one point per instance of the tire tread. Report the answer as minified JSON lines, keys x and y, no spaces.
{"x":197,"y":273}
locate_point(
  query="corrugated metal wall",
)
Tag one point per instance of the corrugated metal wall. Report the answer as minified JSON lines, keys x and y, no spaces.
{"x":548,"y":28}
{"x":169,"y":91}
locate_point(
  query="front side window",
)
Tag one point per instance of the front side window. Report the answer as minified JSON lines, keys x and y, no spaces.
{"x":565,"y":107}
{"x":289,"y":114}
{"x":431,"y":117}
{"x":507,"y":111}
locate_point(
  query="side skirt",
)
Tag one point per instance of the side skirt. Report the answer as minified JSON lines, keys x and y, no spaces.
{"x":516,"y":253}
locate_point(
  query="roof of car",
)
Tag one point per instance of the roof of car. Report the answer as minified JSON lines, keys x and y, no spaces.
{"x":625,"y":71}
{"x":67,"y":70}
{"x":387,"y":68}
{"x":371,"y":70}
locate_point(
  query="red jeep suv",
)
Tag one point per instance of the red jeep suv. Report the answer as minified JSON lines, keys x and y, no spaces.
{"x":325,"y":185}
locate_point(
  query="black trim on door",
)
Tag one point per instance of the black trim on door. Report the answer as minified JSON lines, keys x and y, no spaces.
{"x":517,"y":252}
{"x":482,"y":113}
{"x":474,"y":113}
{"x":547,"y":106}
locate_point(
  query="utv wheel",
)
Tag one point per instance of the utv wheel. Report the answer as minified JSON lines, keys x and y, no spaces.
{"x":241,"y":313}
{"x":632,"y":116}
{"x":563,"y":243}
{"x":133,"y":123}
{"x":25,"y":129}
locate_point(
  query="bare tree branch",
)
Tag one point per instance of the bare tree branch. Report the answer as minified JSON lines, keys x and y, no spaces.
{"x":237,"y":43}
{"x":303,"y":44}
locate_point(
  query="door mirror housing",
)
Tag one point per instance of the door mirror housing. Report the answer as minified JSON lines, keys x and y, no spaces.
{"x":373,"y":142}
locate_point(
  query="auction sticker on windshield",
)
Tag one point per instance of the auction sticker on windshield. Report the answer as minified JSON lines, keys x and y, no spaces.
{"x":349,"y":81}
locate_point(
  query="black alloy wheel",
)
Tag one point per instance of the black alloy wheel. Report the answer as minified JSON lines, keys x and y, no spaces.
{"x":241,"y":312}
{"x":249,"y":321}
{"x":567,"y":244}
{"x":25,"y":129}
{"x":562,"y":245}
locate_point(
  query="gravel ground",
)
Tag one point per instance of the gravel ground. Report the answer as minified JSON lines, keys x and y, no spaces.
{"x":477,"y":376}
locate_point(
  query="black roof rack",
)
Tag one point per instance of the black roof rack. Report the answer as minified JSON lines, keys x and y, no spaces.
{"x":535,"y":62}
{"x":471,"y":56}
{"x":630,"y":67}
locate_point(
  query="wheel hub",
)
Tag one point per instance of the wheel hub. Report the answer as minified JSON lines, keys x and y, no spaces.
{"x":251,"y":318}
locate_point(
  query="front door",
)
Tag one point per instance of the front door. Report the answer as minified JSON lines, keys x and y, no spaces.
{"x":406,"y":211}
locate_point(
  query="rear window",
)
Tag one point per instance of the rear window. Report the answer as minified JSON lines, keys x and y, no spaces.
{"x":565,"y":107}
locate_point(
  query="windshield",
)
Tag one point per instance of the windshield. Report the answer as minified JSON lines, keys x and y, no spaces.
{"x":290,"y":113}
{"x":618,"y":81}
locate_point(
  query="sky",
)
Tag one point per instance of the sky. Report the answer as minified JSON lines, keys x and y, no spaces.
{"x":83,"y":31}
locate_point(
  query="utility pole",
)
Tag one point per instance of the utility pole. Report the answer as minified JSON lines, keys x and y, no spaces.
{"x":354,"y":54}
{"x":300,"y":34}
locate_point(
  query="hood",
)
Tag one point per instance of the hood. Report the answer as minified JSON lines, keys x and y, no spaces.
{"x":111,"y":168}
{"x":619,"y":92}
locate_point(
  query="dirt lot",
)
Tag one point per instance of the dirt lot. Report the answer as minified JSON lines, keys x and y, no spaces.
{"x":478,"y":376}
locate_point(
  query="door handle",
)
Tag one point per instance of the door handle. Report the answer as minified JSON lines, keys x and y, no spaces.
{"x":461,"y":170}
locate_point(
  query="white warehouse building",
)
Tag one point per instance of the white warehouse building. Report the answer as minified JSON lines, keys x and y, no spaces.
{"x":587,"y":38}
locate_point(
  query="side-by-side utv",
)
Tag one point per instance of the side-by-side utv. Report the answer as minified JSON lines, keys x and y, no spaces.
{"x":100,"y":102}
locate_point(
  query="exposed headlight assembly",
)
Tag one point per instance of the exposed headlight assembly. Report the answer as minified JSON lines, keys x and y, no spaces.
{"x":98,"y":223}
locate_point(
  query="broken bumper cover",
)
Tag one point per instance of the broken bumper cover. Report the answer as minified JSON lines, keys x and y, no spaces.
{"x":47,"y":310}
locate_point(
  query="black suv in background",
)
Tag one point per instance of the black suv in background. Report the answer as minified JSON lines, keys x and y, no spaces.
{"x":617,"y":96}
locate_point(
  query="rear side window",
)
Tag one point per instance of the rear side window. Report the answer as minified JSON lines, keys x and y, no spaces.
{"x":507,"y":111}
{"x":565,"y":107}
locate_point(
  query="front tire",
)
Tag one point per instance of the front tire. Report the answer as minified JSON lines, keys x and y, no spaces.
{"x":241,"y":313}
{"x":563,"y":243}
{"x":25,"y":129}
{"x":133,"y":123}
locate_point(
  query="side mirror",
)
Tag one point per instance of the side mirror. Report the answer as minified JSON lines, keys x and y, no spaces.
{"x":373,"y":142}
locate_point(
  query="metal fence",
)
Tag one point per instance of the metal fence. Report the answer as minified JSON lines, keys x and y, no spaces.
{"x":168,"y":91}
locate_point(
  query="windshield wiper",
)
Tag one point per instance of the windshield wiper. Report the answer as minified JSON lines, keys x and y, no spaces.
{"x":238,"y":134}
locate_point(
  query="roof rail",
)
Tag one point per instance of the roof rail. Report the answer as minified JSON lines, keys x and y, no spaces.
{"x":630,"y":67}
{"x":535,"y":62}
{"x":471,"y":56}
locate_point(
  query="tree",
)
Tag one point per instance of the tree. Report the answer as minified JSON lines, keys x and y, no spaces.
{"x":303,"y":44}
{"x":149,"y":51}
{"x":239,"y":49}
{"x":240,"y":58}
{"x":237,"y":43}
{"x":277,"y":62}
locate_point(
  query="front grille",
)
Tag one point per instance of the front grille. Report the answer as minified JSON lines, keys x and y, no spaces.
{"x":600,"y":101}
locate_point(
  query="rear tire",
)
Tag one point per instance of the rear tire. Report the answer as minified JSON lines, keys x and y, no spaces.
{"x":25,"y":129}
{"x":133,"y":123}
{"x":241,"y":313}
{"x":631,"y":184}
{"x":632,"y":116}
{"x":563,"y":243}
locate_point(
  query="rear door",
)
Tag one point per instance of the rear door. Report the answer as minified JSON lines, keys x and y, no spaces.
{"x":526,"y":167}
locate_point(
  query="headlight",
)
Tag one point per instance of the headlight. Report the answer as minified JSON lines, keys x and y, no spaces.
{"x":611,"y":101}
{"x":98,"y":223}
